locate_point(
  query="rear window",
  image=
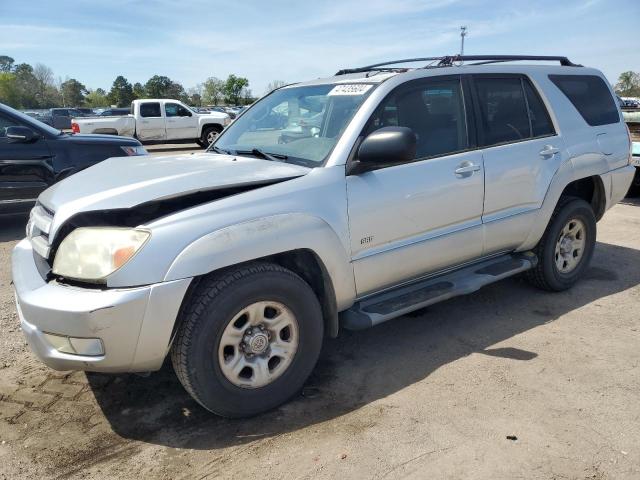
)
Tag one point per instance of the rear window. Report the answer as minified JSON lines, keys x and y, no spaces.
{"x":591,"y":97}
{"x":150,"y":110}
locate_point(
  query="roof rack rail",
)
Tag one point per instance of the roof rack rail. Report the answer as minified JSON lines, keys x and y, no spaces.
{"x":447,"y":61}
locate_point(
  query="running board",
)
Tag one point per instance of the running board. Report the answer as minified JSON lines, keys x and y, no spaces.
{"x":394,"y":303}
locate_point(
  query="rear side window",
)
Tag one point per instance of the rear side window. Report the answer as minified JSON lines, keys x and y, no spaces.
{"x":503,"y":110}
{"x":150,"y":110}
{"x":591,"y":97}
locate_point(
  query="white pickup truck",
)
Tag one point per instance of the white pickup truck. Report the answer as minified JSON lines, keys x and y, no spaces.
{"x":158,"y":121}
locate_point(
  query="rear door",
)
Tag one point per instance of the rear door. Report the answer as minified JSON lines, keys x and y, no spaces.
{"x":25,"y":169}
{"x":521,"y":152}
{"x":181,"y":122}
{"x":150,"y":122}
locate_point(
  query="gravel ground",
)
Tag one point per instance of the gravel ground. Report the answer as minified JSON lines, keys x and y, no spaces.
{"x":509,"y":382}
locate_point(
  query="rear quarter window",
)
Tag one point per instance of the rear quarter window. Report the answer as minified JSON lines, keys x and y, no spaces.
{"x":591,"y":97}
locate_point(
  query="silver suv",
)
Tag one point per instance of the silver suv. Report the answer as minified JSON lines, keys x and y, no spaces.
{"x":340,"y":202}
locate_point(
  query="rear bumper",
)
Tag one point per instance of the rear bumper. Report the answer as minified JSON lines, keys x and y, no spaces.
{"x":134,"y":325}
{"x":618,"y":181}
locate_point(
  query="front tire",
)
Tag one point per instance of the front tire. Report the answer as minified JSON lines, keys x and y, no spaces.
{"x":248,"y":340}
{"x":566,"y":248}
{"x":209,"y":135}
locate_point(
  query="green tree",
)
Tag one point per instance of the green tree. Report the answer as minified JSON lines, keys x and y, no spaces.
{"x":212,"y":91}
{"x":47,"y":94}
{"x":121,"y":93}
{"x":6,"y":63}
{"x":160,"y":86}
{"x":138,"y":91}
{"x":9,"y":93}
{"x":628,"y":84}
{"x":72,"y":92}
{"x":233,"y":88}
{"x":27,"y":85}
{"x":96,"y":98}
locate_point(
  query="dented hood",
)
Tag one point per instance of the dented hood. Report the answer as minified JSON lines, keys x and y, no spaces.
{"x":126,"y":182}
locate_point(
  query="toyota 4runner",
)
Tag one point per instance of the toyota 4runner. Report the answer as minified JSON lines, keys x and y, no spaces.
{"x":340,"y":202}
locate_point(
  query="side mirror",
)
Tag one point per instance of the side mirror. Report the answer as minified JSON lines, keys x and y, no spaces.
{"x":21,"y":135}
{"x":385,"y":147}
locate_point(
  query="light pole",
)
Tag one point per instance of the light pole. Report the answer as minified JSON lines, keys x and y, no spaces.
{"x":463,"y":33}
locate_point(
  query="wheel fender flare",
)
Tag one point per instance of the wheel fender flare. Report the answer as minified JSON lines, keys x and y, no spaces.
{"x":267,"y":236}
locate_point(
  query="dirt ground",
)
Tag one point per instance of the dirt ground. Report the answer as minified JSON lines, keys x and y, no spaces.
{"x":507,"y":383}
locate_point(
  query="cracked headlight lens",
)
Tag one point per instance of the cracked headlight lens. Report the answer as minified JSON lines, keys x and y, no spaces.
{"x":93,"y":253}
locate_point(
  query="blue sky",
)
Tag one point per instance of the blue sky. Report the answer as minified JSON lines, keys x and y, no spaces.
{"x":190,"y":40}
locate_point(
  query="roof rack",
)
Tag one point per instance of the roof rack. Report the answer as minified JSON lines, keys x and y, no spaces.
{"x":448,"y":61}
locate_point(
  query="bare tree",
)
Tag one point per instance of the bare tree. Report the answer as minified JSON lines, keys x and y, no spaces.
{"x":274,"y":85}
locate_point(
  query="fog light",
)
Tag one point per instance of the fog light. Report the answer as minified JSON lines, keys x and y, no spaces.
{"x":75,"y":346}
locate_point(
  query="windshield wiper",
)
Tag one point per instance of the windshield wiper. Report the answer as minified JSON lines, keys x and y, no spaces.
{"x":256,"y":152}
{"x":219,"y":150}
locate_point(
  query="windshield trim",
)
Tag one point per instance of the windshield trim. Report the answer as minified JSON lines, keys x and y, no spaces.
{"x":305,"y":162}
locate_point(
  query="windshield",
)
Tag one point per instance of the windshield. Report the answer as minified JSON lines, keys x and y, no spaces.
{"x":295,"y":124}
{"x":28,"y":120}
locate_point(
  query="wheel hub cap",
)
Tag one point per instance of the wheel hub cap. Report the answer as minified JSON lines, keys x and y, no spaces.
{"x":258,"y":344}
{"x":570,"y":246}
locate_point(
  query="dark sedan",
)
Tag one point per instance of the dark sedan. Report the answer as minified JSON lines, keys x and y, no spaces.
{"x":34,"y":156}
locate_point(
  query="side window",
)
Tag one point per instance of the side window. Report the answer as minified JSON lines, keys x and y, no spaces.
{"x":591,"y":97}
{"x":150,"y":110}
{"x":435,"y":113}
{"x":540,"y":121}
{"x":183,"y":112}
{"x":6,"y":122}
{"x":171,"y":110}
{"x":503,"y":110}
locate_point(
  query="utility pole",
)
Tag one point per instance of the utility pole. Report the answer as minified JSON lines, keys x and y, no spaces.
{"x":463,"y":33}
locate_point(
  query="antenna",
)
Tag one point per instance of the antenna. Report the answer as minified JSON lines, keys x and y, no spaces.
{"x":463,"y":33}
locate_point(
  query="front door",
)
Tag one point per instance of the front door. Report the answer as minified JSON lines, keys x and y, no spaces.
{"x":25,"y":169}
{"x":423,"y":216}
{"x":181,"y":123}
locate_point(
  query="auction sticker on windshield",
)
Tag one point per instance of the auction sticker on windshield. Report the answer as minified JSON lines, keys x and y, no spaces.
{"x":350,"y":89}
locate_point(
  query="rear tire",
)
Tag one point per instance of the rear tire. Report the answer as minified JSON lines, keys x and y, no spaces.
{"x":224,"y":348}
{"x":634,"y":189}
{"x":566,"y":248}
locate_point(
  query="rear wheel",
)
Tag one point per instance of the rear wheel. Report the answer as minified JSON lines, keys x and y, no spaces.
{"x":248,"y":340}
{"x":634,"y":189}
{"x":565,"y":250}
{"x":209,"y":135}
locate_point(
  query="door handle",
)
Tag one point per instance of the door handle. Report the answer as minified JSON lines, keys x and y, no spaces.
{"x":549,"y":151}
{"x":466,"y":168}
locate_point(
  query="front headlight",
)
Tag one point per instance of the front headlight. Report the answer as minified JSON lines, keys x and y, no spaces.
{"x":93,"y":253}
{"x":137,"y":150}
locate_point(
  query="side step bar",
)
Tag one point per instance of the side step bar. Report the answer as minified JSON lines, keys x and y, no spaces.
{"x":394,"y":303}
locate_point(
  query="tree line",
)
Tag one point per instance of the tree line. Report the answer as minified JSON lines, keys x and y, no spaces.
{"x":25,"y":87}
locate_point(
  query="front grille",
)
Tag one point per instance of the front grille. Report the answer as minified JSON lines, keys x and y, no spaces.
{"x":38,"y":229}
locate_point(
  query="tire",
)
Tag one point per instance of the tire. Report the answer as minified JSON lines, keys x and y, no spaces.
{"x":199,"y":352}
{"x":554,"y":256}
{"x":209,"y":135}
{"x":634,"y":189}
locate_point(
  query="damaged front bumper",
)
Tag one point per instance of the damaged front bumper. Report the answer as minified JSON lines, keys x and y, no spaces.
{"x":109,"y":330}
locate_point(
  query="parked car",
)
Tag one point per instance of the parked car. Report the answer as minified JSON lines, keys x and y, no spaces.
{"x":420,"y":185}
{"x":115,"y":112}
{"x":34,"y":156}
{"x":85,"y":111}
{"x":159,"y":121}
{"x":60,"y":118}
{"x":630,"y":103}
{"x":632,"y":120}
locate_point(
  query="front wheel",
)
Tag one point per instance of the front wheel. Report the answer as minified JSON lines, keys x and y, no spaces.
{"x":248,"y":339}
{"x":565,"y":250}
{"x":209,"y":135}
